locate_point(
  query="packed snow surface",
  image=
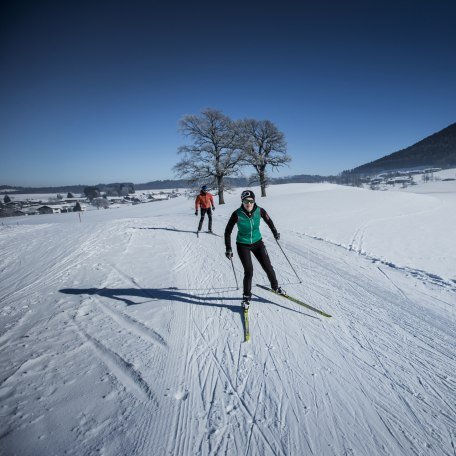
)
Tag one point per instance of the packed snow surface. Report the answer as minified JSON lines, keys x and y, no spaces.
{"x":123,"y":333}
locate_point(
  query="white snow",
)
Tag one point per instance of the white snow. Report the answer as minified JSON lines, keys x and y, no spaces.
{"x":122,"y":334}
{"x":34,"y":196}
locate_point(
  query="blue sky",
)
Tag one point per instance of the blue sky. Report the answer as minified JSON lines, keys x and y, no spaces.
{"x":92,"y":92}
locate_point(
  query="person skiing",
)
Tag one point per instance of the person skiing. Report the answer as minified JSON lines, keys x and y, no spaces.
{"x":205,"y":201}
{"x":249,"y":240}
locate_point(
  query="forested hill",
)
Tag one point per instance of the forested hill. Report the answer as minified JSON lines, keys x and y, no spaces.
{"x":163,"y":184}
{"x":437,"y":150}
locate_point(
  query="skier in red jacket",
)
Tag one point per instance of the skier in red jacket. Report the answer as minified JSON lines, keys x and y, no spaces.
{"x":205,"y":201}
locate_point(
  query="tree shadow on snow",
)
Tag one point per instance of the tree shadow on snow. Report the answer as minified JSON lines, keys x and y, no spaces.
{"x":163,"y":228}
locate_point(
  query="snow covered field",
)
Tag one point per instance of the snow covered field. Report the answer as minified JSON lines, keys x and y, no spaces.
{"x":123,"y":334}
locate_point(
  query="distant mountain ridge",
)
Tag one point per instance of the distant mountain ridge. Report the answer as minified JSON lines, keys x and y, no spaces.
{"x":437,"y":150}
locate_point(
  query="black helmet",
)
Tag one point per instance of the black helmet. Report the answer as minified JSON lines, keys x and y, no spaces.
{"x":247,"y":194}
{"x":204,"y":188}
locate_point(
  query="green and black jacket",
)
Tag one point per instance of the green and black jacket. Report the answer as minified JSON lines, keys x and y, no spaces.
{"x":248,"y":224}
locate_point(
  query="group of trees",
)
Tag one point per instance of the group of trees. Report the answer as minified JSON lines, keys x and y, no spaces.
{"x":220,"y":147}
{"x":117,"y":189}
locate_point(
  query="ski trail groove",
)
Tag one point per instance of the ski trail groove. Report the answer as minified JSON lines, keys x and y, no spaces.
{"x":394,"y":387}
{"x":121,"y":369}
{"x":254,"y":413}
{"x":227,"y":378}
{"x":132,"y":325}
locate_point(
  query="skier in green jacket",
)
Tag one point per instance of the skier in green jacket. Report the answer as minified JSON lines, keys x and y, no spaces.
{"x":249,"y":240}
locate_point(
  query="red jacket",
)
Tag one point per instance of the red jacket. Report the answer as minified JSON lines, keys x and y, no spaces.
{"x":204,"y":200}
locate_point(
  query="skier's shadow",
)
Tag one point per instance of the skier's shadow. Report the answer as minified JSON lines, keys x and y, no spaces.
{"x":163,"y":294}
{"x":169,"y":294}
{"x":163,"y":228}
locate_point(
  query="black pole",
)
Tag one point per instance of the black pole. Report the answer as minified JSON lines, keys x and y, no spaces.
{"x":234,"y":272}
{"x":300,"y":281}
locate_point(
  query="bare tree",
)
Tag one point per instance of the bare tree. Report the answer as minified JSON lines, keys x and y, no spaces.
{"x":215,"y":152}
{"x":100,"y":202}
{"x":264,"y":146}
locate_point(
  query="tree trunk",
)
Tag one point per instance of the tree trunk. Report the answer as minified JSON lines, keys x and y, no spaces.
{"x":220,"y":189}
{"x":262,"y":182}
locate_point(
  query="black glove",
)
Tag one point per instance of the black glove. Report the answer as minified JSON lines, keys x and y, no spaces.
{"x":229,"y":254}
{"x":213,"y":208}
{"x":277,"y":236}
{"x":196,"y":212}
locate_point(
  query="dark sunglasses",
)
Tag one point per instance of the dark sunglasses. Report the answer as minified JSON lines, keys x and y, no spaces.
{"x":247,"y":201}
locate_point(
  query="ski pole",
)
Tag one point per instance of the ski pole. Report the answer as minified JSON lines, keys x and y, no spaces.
{"x":234,"y":272}
{"x":300,"y":281}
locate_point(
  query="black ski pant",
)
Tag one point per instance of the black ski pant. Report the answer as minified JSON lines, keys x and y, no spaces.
{"x":261,"y":254}
{"x":207,"y":211}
